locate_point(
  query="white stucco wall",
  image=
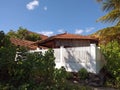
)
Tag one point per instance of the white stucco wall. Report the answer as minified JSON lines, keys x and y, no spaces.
{"x":73,"y":59}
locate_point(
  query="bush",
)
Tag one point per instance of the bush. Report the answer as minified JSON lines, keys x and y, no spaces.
{"x":60,"y":76}
{"x":69,"y":75}
{"x":83,"y":73}
{"x":112,"y":55}
{"x":7,"y":56}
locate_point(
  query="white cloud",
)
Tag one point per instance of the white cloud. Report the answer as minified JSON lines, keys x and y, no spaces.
{"x":86,"y":30}
{"x":61,"y":30}
{"x":48,"y":33}
{"x":89,"y":29}
{"x":31,"y":5}
{"x":45,"y":8}
{"x":79,"y":31}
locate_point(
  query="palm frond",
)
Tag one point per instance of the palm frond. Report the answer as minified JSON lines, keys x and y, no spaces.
{"x":113,"y":16}
{"x":108,"y":5}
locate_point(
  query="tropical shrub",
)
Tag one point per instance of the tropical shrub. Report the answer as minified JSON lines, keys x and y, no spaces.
{"x":112,"y":55}
{"x":83,"y":73}
{"x":43,"y":67}
{"x":7,"y":55}
{"x":60,"y":77}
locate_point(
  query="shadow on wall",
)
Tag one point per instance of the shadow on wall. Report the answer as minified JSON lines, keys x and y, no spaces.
{"x":74,"y":62}
{"x":91,"y":64}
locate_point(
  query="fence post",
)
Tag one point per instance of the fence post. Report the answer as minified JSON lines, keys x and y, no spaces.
{"x":93,"y":57}
{"x":61,"y":55}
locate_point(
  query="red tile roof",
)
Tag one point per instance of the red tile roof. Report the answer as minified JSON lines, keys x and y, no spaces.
{"x":43,"y":36}
{"x":68,"y":37}
{"x":25,"y":43}
{"x":71,"y":36}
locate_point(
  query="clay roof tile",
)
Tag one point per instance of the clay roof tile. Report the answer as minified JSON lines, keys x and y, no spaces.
{"x":25,"y":43}
{"x":67,"y":36}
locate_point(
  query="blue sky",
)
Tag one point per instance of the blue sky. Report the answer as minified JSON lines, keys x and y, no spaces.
{"x":51,"y":17}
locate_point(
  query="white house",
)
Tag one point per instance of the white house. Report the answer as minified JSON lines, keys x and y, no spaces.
{"x":74,"y":52}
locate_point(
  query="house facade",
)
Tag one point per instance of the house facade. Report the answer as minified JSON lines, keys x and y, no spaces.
{"x":74,"y":52}
{"x":70,"y":50}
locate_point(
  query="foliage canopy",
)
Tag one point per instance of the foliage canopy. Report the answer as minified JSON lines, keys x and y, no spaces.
{"x":24,"y":34}
{"x":108,"y":34}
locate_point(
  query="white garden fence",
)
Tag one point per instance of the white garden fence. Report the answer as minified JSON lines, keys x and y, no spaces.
{"x":73,"y":59}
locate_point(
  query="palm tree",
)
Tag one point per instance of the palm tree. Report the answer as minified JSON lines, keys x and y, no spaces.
{"x":113,"y":9}
{"x":108,"y":34}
